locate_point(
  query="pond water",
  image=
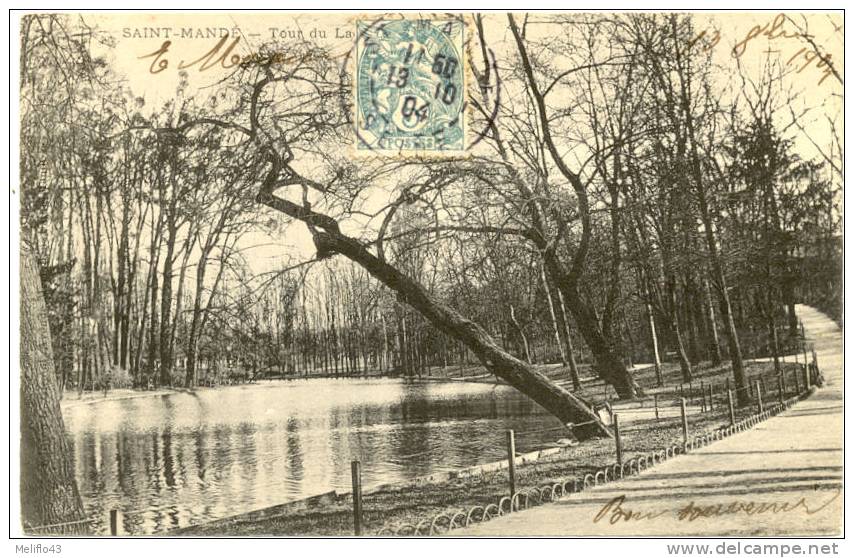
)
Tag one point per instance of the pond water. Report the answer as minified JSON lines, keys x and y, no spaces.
{"x":185,"y":458}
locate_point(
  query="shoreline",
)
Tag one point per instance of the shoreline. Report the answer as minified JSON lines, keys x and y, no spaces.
{"x":70,"y":398}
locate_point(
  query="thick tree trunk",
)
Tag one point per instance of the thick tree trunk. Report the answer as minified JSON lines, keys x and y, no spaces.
{"x":49,"y":492}
{"x":609,"y":366}
{"x":691,"y":322}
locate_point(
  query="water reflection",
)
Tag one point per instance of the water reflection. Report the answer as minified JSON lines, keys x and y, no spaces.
{"x":181,"y":459}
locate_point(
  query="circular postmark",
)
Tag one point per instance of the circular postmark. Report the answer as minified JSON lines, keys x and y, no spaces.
{"x":410,"y":86}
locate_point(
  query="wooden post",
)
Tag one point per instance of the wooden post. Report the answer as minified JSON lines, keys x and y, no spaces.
{"x":711,"y":398}
{"x":684,"y":425}
{"x":703,"y":406}
{"x":758,"y":388}
{"x":780,"y":391}
{"x":807,"y":381}
{"x":511,"y":462}
{"x":356,"y":472}
{"x":731,"y":407}
{"x":618,"y":440}
{"x":114,"y":522}
{"x":655,"y":402}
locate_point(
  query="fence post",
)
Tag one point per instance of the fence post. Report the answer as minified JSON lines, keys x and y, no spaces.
{"x":758,"y":388}
{"x":807,"y":381}
{"x":511,"y":461}
{"x":655,"y":402}
{"x":731,"y":407}
{"x":797,"y":381}
{"x":703,"y":406}
{"x":684,"y":426}
{"x":114,"y":522}
{"x":780,"y":390}
{"x":711,"y":398}
{"x":618,"y":440}
{"x":356,"y":472}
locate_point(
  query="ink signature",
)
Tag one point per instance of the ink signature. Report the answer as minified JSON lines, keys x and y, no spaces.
{"x":615,"y":511}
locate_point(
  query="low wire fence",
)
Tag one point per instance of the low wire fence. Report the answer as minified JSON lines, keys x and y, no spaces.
{"x":719,"y":412}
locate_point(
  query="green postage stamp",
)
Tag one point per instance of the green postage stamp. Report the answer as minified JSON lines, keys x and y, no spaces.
{"x":410,"y":87}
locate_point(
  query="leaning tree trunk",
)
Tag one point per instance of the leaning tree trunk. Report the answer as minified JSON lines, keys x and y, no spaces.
{"x":571,"y":410}
{"x":49,"y":494}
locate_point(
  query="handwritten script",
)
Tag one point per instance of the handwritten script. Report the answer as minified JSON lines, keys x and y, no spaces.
{"x":616,"y":511}
{"x":777,"y":29}
{"x":221,"y":55}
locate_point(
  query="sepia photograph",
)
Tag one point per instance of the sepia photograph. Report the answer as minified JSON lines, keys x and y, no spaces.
{"x":426,"y":273}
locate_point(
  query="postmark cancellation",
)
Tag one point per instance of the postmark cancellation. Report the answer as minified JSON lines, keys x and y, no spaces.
{"x":410,"y":84}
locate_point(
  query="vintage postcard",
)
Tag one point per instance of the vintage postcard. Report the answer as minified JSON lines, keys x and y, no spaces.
{"x":417,"y":274}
